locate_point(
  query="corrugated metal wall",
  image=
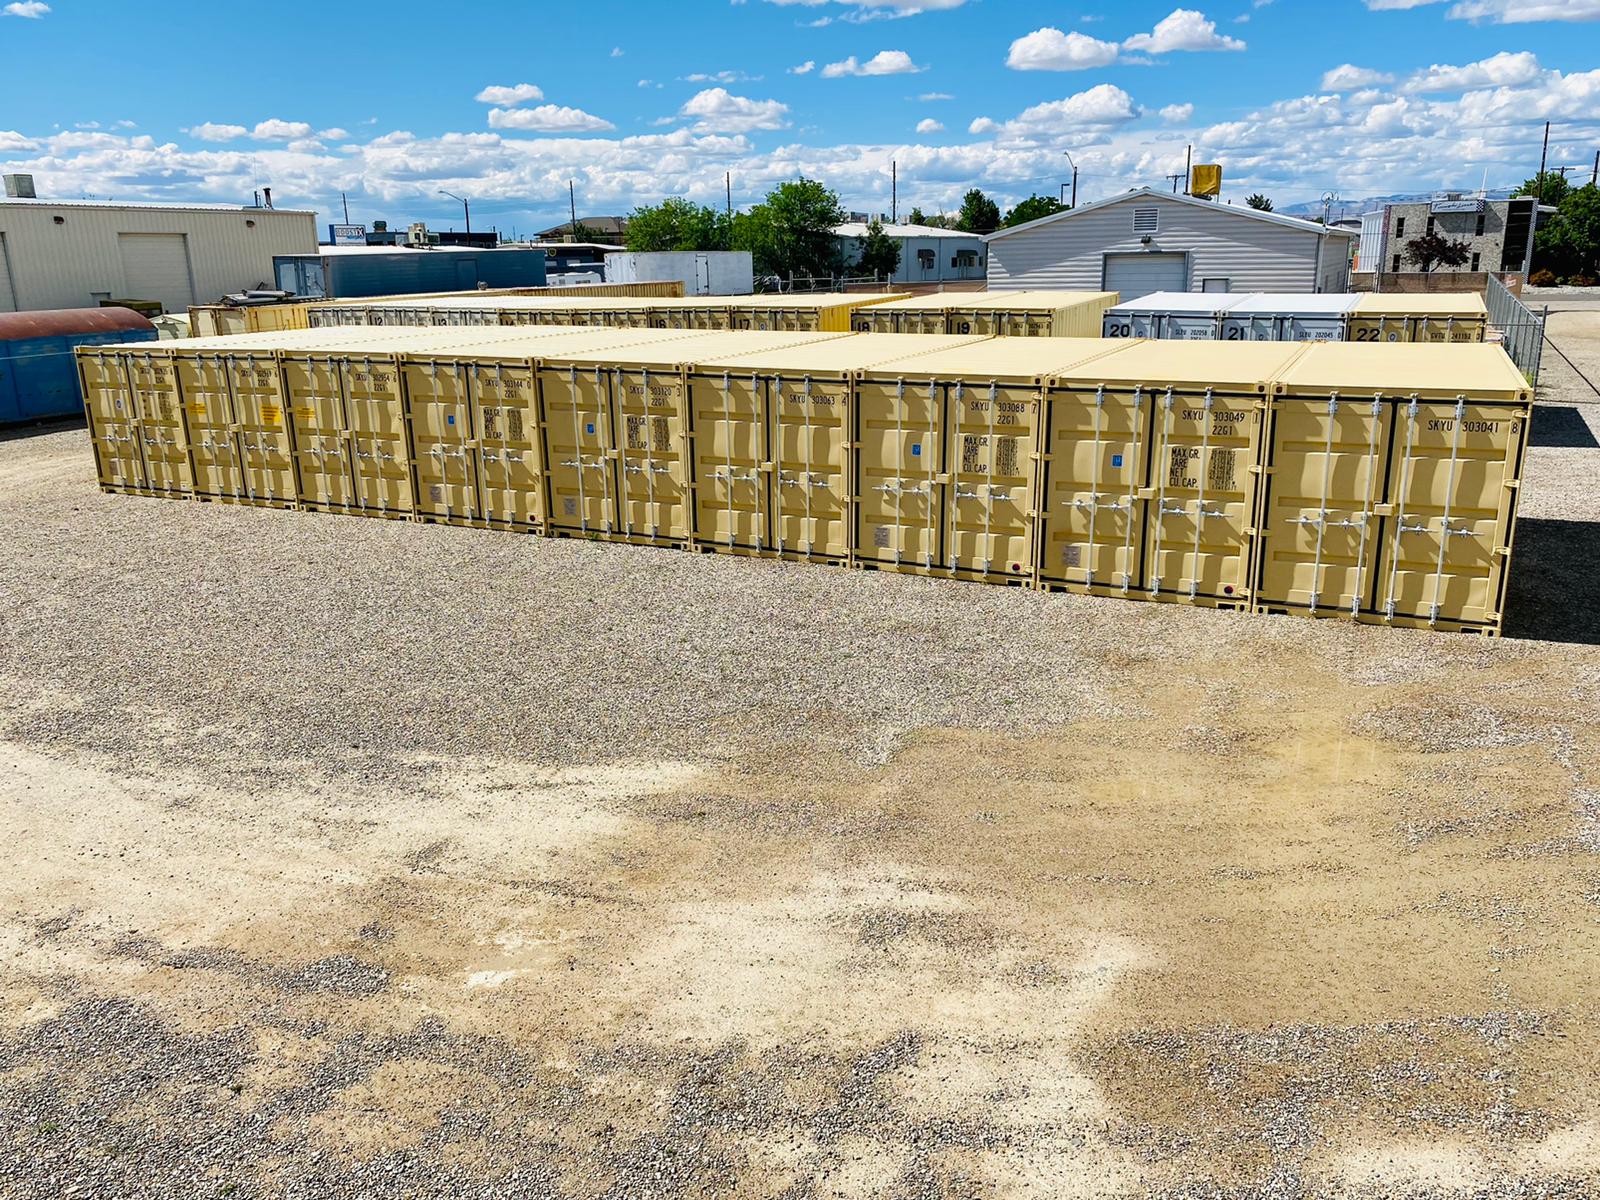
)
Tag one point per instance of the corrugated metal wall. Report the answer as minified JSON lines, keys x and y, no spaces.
{"x":1222,"y":243}
{"x":64,"y":265}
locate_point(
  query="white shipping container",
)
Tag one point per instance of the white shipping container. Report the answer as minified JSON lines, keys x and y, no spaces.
{"x":1173,"y":316}
{"x":1289,"y":317}
{"x":703,"y":272}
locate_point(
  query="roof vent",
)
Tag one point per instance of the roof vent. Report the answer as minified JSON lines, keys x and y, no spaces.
{"x":20,"y":187}
{"x":1146,"y":220}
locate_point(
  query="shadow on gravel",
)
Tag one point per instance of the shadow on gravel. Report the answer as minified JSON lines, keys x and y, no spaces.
{"x":28,"y":429}
{"x":1561,"y":427}
{"x":1554,"y":569}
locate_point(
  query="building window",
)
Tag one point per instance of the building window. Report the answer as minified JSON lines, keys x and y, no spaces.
{"x":1399,"y":227}
{"x":1146,"y":220}
{"x":925,"y":259}
{"x":1215,"y":284}
{"x":1480,"y":225}
{"x":1431,"y":223}
{"x":1396,"y":267}
{"x":1476,"y":259}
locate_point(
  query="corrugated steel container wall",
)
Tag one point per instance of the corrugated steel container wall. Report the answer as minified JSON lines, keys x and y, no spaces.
{"x":114,"y":426}
{"x":774,"y":443}
{"x":38,"y":370}
{"x":1390,"y":486}
{"x":215,"y":320}
{"x":70,"y":265}
{"x":826,"y":313}
{"x":1289,"y":318}
{"x":947,"y":475}
{"x":1205,"y":406}
{"x":1458,"y":317}
{"x":1070,"y":253}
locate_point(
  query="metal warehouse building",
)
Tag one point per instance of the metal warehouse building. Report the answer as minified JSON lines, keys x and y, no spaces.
{"x":1148,"y":241}
{"x":928,"y":254}
{"x":76,"y":253}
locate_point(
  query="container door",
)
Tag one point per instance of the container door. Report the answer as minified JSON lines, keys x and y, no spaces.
{"x":213,"y":428}
{"x":266,"y":450}
{"x":811,"y":467}
{"x":1202,"y":512}
{"x":1314,"y":329}
{"x":1096,"y":473}
{"x":732,"y":462}
{"x":380,"y":454}
{"x":993,"y":480}
{"x":1189,"y":327}
{"x":444,"y":437}
{"x":652,"y":454}
{"x":1451,"y":483}
{"x":113,"y":430}
{"x":900,"y":484}
{"x":315,"y":395}
{"x":162,"y":431}
{"x":578,"y":463}
{"x":1324,"y":485}
{"x":1447,"y":329}
{"x":510,"y":470}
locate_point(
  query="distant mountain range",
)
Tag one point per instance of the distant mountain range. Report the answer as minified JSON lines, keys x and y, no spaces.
{"x":1351,"y":207}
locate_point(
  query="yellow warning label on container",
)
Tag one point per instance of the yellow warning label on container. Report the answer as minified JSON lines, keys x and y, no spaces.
{"x":271,"y":414}
{"x":197,"y":407}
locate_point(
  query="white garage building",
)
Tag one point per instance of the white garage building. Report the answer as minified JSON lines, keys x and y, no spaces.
{"x":1147,"y":241}
{"x":75,"y":253}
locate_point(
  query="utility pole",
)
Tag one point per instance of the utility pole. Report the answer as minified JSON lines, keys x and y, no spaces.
{"x":1594,"y":177}
{"x":572,"y":201}
{"x":1188,"y":169}
{"x":1544,"y":156}
{"x":1176,"y":179}
{"x":466,"y":209}
{"x":894,"y":190}
{"x":727,"y":182}
{"x":1074,"y":167}
{"x":346,"y":204}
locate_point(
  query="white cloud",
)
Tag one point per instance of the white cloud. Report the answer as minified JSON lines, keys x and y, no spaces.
{"x":617,"y":52}
{"x":1183,"y":29}
{"x":715,"y":110}
{"x":334,"y":134}
{"x":12,"y":142}
{"x":1503,"y":12}
{"x":1501,"y":70}
{"x":1348,"y":77}
{"x":722,"y":77}
{"x":1177,"y":113}
{"x":804,"y":68}
{"x":210,"y":131}
{"x":928,"y":97}
{"x":1103,"y":105}
{"x":274,"y":130}
{"x":1049,"y":49}
{"x":929,"y":125}
{"x":509,"y":96}
{"x":30,"y":9}
{"x":548,"y":118}
{"x":884,"y":62}
{"x":859,"y":11}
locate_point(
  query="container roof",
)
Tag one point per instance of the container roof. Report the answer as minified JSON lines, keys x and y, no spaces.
{"x":813,"y":300}
{"x":1001,"y":358}
{"x":1195,"y":366}
{"x":1183,"y":302}
{"x":57,"y":322}
{"x":1293,"y":304}
{"x":835,"y":356}
{"x":686,"y":347}
{"x":1018,"y":301}
{"x":1439,"y":304}
{"x":1401,"y":368}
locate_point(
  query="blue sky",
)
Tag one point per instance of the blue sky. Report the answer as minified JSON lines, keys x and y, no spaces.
{"x":505,"y":102}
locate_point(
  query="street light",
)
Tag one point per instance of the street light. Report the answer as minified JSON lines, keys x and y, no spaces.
{"x":465,"y":208}
{"x":1074,"y":167}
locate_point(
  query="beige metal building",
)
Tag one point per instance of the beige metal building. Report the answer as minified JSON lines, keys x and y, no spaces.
{"x":76,"y":253}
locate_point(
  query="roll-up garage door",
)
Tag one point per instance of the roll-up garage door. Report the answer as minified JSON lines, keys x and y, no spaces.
{"x":1136,"y":275}
{"x":8,"y":295}
{"x":155,"y":266}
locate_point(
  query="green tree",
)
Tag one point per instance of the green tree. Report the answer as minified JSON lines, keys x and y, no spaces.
{"x":879,"y":253}
{"x":978,"y":214}
{"x":1259,"y":202}
{"x":1032,"y":209}
{"x":1431,"y":249}
{"x":1555,"y":188}
{"x":915,"y":217}
{"x":791,"y":230}
{"x":1569,"y":243}
{"x":678,"y":224}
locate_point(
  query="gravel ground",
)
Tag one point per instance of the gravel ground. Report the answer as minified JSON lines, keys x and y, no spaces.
{"x":369,"y":859}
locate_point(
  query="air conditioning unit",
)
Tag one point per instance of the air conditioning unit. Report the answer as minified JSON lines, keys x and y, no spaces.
{"x":20,"y":187}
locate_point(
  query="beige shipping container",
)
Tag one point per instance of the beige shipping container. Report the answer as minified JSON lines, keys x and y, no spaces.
{"x":238,"y":432}
{"x":910,"y":314}
{"x":773,"y":443}
{"x":1151,"y":487}
{"x":1441,"y":317}
{"x":1390,"y":485}
{"x":1034,"y":314}
{"x":136,"y":419}
{"x":114,"y":424}
{"x":949,"y":443}
{"x":617,"y":435}
{"x":828,"y":312}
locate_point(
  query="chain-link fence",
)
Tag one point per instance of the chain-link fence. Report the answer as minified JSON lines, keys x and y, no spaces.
{"x":1521,"y":331}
